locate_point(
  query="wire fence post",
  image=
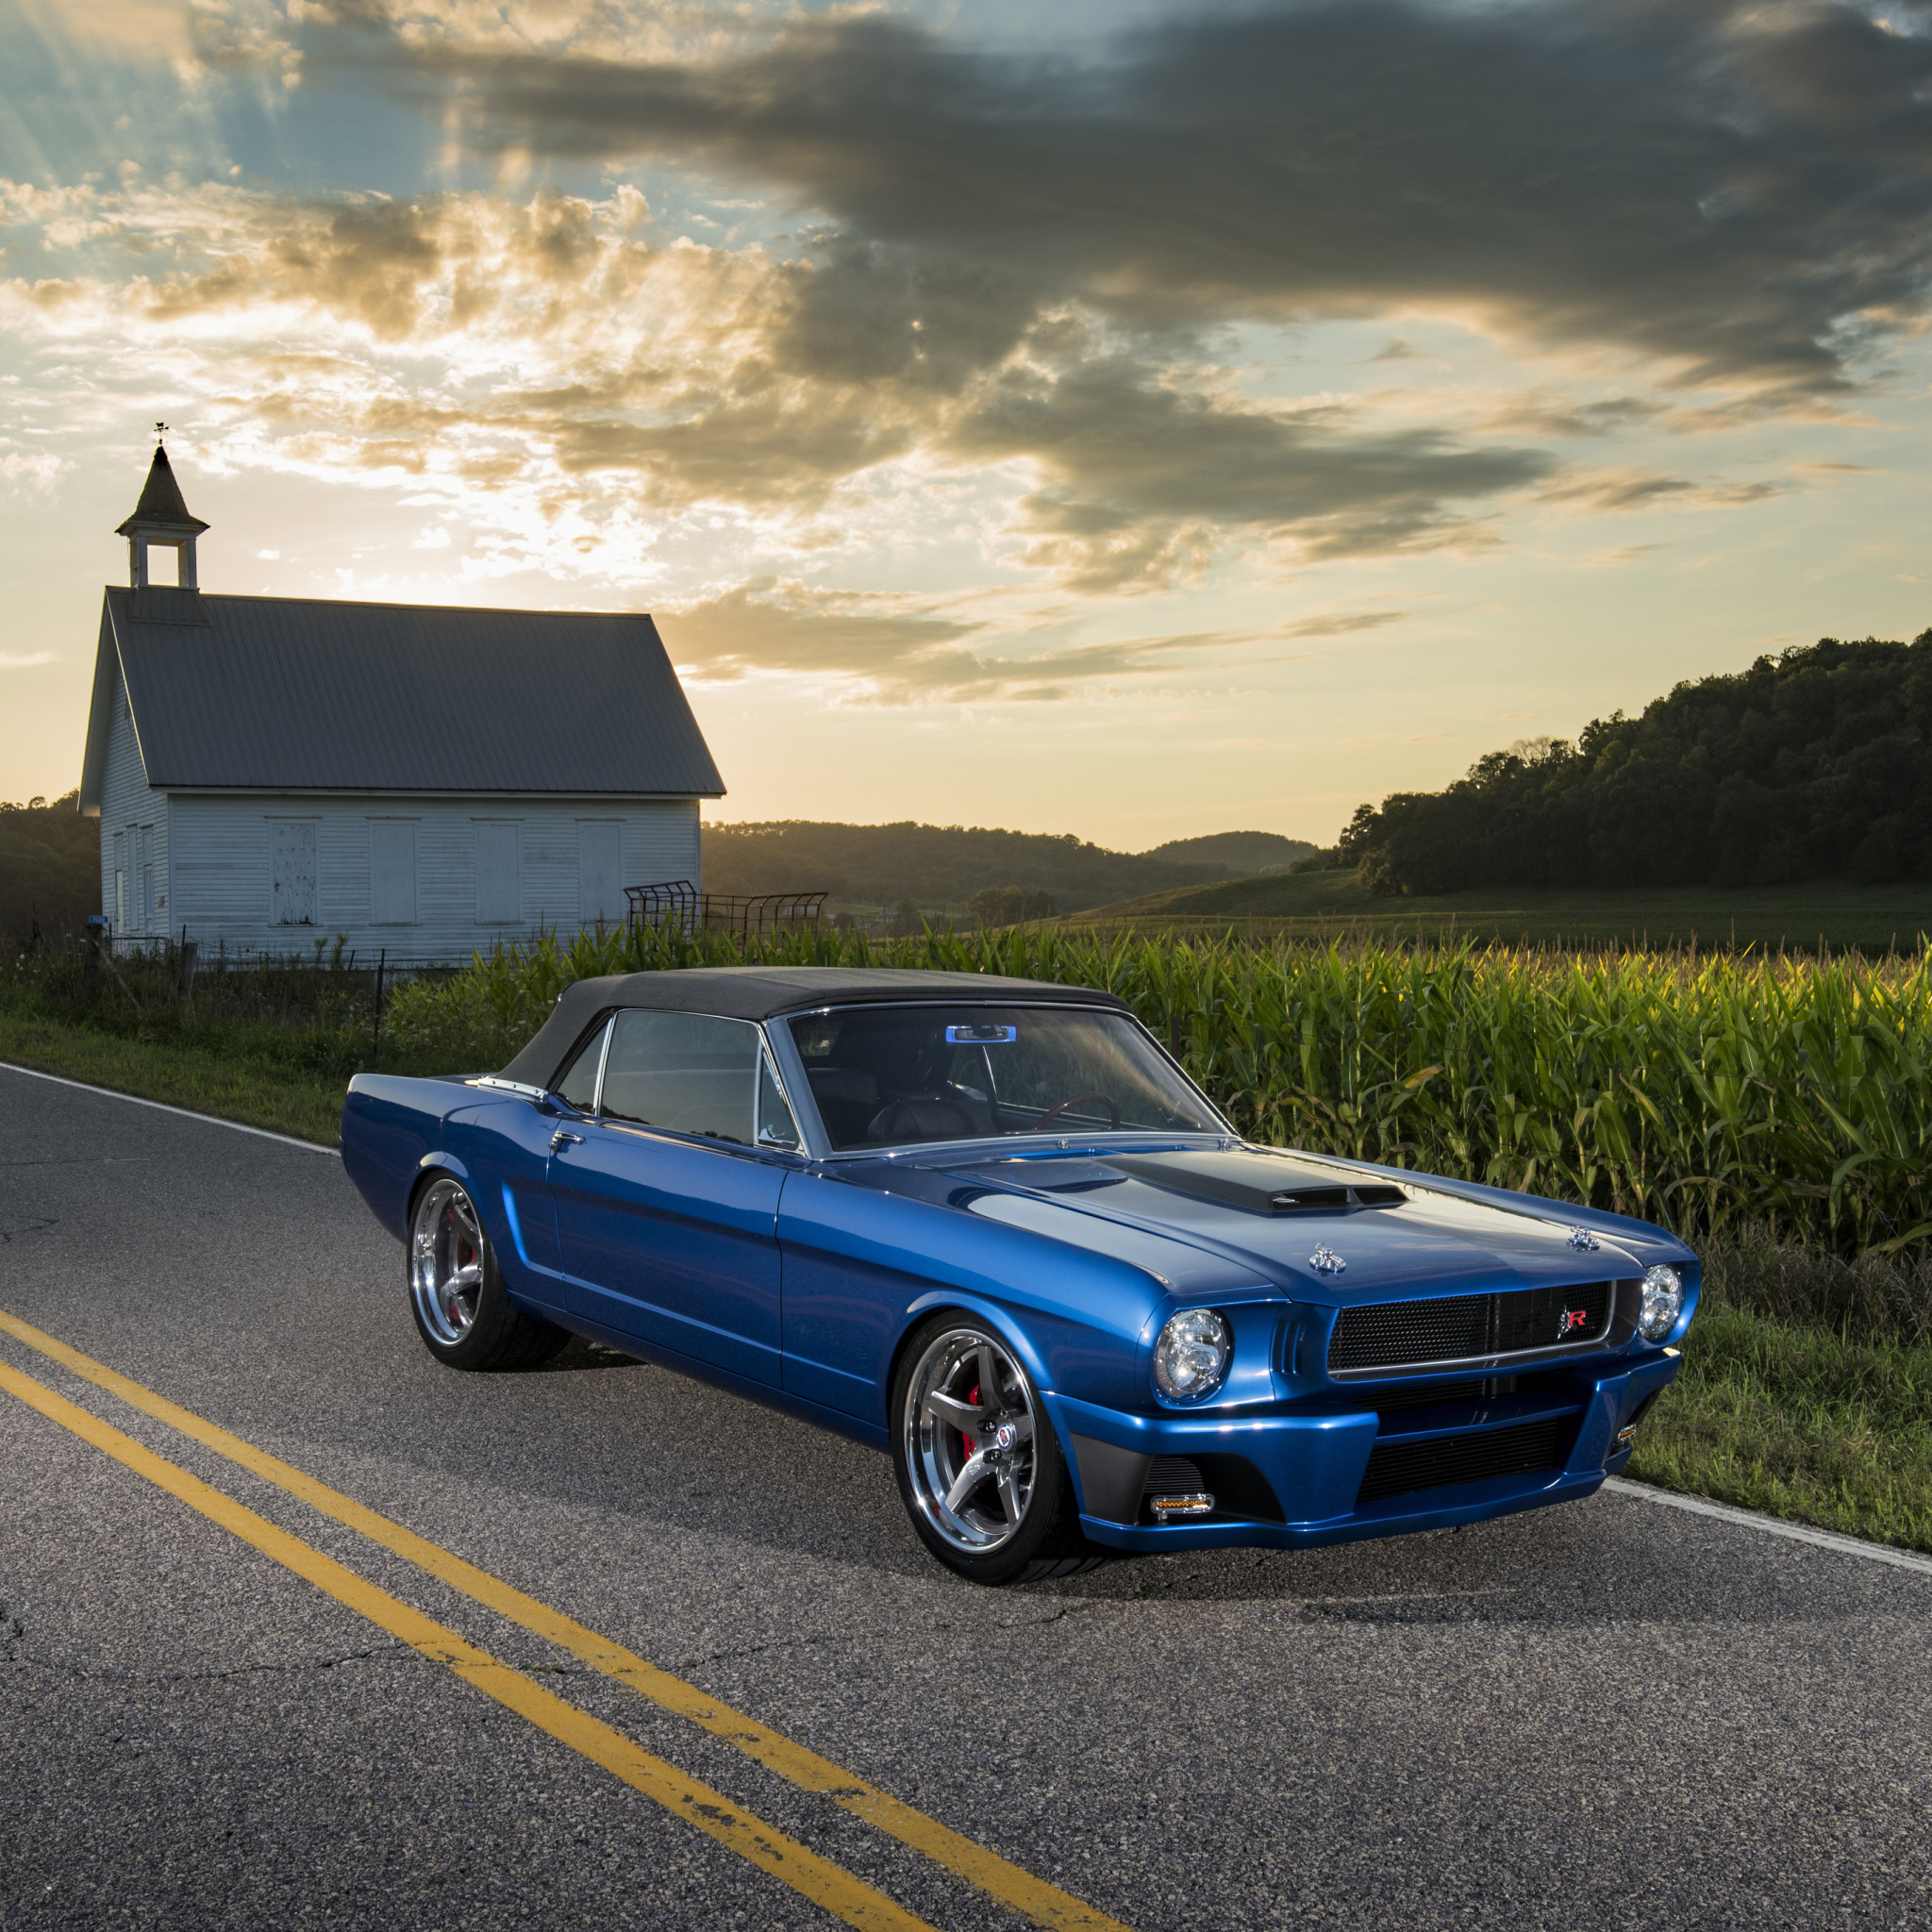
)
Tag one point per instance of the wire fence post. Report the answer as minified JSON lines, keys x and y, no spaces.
{"x":376,"y":1044}
{"x":90,"y":958}
{"x":184,"y":984}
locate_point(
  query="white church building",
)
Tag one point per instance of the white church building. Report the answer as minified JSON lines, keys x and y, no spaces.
{"x":423,"y":779}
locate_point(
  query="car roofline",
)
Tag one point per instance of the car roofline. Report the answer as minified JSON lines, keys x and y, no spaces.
{"x":807,"y":1013}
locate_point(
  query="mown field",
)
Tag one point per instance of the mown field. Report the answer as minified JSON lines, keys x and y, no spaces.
{"x":1777,"y":1112}
{"x":1327,"y":905}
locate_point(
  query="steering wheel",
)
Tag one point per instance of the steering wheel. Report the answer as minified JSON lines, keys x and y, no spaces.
{"x":1054,"y":1113}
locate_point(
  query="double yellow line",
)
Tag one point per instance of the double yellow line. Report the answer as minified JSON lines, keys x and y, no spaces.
{"x":791,"y":1862}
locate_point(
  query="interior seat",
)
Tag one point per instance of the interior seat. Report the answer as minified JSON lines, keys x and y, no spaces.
{"x":847,"y":1100}
{"x":928,"y":1117}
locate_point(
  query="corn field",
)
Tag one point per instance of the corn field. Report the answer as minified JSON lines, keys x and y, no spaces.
{"x":1711,"y":1094}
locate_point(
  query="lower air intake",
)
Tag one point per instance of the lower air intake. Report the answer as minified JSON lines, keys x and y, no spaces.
{"x":1396,"y":1467}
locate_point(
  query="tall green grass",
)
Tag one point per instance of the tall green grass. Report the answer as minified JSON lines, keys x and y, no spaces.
{"x":1713,"y":1095}
{"x":1805,"y":1390}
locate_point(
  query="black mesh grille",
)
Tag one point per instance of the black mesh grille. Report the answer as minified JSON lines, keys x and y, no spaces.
{"x":1395,"y":1468}
{"x":1431,"y":1394}
{"x":1459,"y":1327}
{"x":1173,"y":1475}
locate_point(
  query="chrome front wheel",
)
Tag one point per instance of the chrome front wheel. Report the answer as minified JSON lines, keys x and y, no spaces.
{"x":971,"y":1441}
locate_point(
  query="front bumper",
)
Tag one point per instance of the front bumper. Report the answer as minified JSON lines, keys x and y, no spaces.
{"x":1312,"y":1466}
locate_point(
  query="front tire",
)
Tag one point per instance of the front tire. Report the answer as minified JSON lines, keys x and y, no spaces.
{"x":979,"y":1466}
{"x":463,"y":1312}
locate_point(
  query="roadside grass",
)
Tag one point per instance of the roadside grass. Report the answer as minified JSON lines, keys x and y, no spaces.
{"x":1798,"y":1423}
{"x":1806,"y":1392}
{"x":205,"y":1077}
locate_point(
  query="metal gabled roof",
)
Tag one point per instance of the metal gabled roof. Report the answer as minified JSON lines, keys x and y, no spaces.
{"x":306,"y":694}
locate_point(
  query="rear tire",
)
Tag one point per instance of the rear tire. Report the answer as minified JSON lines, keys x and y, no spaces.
{"x":463,"y":1312}
{"x":979,"y":1465}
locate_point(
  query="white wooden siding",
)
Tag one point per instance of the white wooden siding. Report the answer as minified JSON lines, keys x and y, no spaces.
{"x":393,"y":872}
{"x":134,"y":836}
{"x":499,"y":872}
{"x":222,"y":885}
{"x":600,"y":872}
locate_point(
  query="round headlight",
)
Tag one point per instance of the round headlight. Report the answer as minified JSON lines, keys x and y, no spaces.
{"x":1663,"y":1302}
{"x":1190,"y":1358}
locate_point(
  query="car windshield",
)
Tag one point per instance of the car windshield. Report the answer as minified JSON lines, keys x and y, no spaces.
{"x":884,"y":1075}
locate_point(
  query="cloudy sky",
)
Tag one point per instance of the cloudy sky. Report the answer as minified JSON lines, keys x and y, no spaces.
{"x":1128,"y":419}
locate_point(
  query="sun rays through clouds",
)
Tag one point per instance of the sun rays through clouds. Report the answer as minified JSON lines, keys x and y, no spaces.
{"x":898,"y":364}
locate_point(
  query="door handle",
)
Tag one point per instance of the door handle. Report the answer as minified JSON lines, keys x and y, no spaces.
{"x":557,"y":1138}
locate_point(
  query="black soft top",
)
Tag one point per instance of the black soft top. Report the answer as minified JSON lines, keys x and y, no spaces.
{"x":762,"y":993}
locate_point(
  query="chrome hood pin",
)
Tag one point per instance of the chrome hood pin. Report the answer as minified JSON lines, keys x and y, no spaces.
{"x":1324,"y":1260}
{"x":1584,"y":1241}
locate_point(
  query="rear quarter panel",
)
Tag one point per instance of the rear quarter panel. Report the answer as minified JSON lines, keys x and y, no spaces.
{"x":389,"y":1125}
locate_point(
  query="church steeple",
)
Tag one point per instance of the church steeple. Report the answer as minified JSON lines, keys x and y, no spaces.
{"x":161,"y":517}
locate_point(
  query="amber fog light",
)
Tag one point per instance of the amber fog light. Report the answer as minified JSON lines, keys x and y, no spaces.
{"x":1197,"y":1503}
{"x":1663,"y":1302}
{"x":1190,"y":1358}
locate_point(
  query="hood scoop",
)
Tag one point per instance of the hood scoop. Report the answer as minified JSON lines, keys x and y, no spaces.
{"x":1255,"y":1183}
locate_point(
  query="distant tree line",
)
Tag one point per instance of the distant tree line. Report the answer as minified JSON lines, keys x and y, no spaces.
{"x":1816,"y":763}
{"x":1010,"y":905}
{"x":50,"y":869}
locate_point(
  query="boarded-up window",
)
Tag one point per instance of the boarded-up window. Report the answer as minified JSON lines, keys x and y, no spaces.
{"x":393,"y":872}
{"x":600,"y":871}
{"x":291,"y":871}
{"x":147,"y":878}
{"x":118,"y":910}
{"x":499,"y":872}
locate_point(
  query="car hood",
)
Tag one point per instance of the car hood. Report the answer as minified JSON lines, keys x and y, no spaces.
{"x":1394,"y":1233}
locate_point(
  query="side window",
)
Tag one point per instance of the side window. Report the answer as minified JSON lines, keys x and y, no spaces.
{"x":578,"y":1087}
{"x":687,"y":1072}
{"x":777,"y":1128}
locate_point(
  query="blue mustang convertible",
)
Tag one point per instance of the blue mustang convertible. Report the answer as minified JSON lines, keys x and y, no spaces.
{"x":991,"y":1226}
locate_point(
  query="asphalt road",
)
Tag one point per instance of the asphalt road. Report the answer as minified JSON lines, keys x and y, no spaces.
{"x":1610,"y":1715}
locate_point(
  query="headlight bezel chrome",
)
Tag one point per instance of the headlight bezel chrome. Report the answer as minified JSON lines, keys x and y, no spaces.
{"x":1660,"y":1301}
{"x":1180,"y":1375}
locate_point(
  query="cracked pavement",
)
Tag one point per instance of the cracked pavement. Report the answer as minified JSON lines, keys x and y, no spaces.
{"x":1608,"y":1714}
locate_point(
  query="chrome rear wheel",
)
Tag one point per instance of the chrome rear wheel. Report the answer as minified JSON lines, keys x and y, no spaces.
{"x":448,"y":1258}
{"x":458,"y":1296}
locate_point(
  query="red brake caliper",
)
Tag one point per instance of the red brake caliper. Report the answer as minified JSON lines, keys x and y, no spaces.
{"x":972,"y":1401}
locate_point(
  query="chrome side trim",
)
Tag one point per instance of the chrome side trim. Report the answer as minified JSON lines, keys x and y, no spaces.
{"x":603,"y":1060}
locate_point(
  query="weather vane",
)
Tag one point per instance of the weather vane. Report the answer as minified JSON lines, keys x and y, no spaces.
{"x":161,"y":433}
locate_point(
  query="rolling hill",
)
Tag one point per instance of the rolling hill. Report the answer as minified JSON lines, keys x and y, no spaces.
{"x":941,"y":867}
